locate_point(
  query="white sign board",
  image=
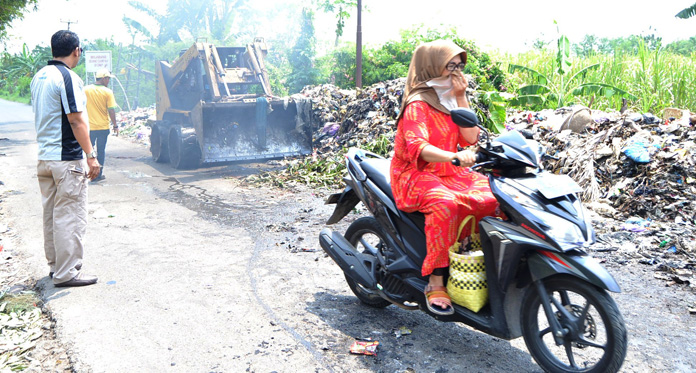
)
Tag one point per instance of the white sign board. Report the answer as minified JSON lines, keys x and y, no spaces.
{"x":95,"y":60}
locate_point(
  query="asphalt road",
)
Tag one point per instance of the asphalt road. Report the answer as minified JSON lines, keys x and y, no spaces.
{"x":199,"y":272}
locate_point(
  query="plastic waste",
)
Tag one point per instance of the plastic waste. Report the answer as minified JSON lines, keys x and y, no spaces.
{"x":638,"y":151}
{"x":649,"y":118}
{"x":331,"y":128}
{"x":364,"y":347}
{"x":635,"y":117}
{"x":636,"y":224}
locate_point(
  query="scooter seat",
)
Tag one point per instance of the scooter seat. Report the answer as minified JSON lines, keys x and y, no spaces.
{"x":377,"y":169}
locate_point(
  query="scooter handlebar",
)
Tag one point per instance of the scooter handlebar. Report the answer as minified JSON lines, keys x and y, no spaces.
{"x":480,"y":158}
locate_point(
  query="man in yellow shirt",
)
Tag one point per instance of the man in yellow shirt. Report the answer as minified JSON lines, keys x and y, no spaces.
{"x":101,"y":106}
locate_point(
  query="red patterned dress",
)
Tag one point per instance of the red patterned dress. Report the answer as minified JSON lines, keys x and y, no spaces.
{"x":445,"y":193}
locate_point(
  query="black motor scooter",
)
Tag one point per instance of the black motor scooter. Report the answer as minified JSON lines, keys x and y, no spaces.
{"x":542,"y":283}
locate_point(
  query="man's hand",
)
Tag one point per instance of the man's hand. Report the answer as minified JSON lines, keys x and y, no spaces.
{"x":94,"y":167}
{"x":112,"y":116}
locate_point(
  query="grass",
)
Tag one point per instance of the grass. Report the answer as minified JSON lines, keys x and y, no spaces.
{"x":660,"y":80}
{"x":15,"y":98}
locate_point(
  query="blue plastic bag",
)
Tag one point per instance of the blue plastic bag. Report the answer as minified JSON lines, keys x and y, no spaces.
{"x":638,"y":151}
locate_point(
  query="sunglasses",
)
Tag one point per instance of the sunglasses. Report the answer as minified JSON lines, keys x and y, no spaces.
{"x":454,"y":66}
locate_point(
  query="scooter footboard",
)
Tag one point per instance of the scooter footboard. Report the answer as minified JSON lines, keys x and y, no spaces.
{"x":546,"y":263}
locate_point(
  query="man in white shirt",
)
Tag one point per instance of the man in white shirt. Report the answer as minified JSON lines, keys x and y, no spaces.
{"x":62,"y":131}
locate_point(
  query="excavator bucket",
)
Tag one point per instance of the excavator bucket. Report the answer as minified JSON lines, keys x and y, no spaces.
{"x":253,"y":129}
{"x":215,"y":104}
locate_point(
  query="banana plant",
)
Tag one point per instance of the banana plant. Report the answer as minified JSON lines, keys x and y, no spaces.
{"x":494,"y":116}
{"x":26,"y":63}
{"x":687,"y":13}
{"x":557,"y":90}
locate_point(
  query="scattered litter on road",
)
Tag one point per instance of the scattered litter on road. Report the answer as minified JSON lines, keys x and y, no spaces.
{"x":402,"y":332}
{"x":364,"y":347}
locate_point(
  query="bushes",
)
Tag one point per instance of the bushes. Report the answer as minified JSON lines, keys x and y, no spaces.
{"x":391,"y":60}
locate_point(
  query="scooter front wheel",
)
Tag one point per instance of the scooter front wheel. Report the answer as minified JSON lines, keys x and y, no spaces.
{"x":594,"y":334}
{"x":367,"y":237}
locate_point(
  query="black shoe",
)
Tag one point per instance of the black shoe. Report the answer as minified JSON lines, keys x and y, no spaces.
{"x":79,"y":280}
{"x":77,"y":267}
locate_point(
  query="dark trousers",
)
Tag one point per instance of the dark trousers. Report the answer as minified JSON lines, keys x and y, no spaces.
{"x":98,"y":139}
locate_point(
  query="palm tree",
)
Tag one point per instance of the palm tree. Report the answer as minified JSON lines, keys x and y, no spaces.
{"x":687,"y":13}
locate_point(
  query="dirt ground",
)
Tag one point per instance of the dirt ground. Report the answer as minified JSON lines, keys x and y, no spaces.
{"x":237,"y":279}
{"x":661,"y":330}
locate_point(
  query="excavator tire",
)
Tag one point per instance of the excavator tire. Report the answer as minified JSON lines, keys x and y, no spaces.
{"x":158,"y":144}
{"x":184,"y":152}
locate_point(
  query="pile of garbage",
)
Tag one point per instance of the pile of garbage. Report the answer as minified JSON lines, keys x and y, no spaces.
{"x":349,"y":118}
{"x":637,"y":170}
{"x":133,"y":124}
{"x":633,"y":164}
{"x":628,"y":164}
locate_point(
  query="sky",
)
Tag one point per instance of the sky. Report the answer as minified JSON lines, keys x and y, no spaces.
{"x":505,"y":26}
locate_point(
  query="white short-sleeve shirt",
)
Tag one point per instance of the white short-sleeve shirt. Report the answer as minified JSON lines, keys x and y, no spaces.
{"x":55,"y":92}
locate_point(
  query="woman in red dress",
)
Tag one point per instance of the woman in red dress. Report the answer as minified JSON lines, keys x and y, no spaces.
{"x":422,"y":175}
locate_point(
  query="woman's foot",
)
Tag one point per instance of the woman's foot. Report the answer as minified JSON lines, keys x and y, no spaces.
{"x":438,"y":301}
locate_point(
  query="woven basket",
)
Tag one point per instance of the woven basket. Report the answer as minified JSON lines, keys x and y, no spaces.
{"x":467,"y":284}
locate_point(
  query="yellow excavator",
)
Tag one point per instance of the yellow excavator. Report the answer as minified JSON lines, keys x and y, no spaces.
{"x":215,"y":104}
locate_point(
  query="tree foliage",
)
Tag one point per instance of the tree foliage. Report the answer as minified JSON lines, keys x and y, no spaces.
{"x":11,"y":10}
{"x":341,"y":9}
{"x":16,"y":71}
{"x":302,"y":56}
{"x":590,"y":70}
{"x":190,"y":20}
{"x":687,"y":13}
{"x":591,"y":44}
{"x":682,"y":47}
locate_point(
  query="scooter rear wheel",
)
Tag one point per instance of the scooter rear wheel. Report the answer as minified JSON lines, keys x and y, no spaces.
{"x":367,"y":237}
{"x":595,"y":337}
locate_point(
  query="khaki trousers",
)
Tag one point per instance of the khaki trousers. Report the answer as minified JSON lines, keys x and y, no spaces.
{"x":64,"y":198}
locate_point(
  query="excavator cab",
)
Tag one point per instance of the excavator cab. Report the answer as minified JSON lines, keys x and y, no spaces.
{"x":215,"y":104}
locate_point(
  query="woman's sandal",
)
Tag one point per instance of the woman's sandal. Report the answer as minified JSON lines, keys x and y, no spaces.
{"x":436,"y":293}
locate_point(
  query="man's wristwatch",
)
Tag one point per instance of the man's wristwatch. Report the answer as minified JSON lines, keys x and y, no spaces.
{"x":93,"y":154}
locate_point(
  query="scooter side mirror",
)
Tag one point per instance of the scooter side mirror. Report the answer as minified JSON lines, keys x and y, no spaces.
{"x":464,"y":117}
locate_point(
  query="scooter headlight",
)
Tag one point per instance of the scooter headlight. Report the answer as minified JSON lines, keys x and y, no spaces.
{"x":561,"y":230}
{"x":565,"y":233}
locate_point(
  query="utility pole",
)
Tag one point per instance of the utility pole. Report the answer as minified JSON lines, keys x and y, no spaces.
{"x":358,"y":52}
{"x":68,"y":21}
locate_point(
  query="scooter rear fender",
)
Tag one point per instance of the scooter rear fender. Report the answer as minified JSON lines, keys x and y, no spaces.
{"x":345,"y":203}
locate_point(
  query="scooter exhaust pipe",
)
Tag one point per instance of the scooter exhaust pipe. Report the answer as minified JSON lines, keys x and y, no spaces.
{"x":354,"y":264}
